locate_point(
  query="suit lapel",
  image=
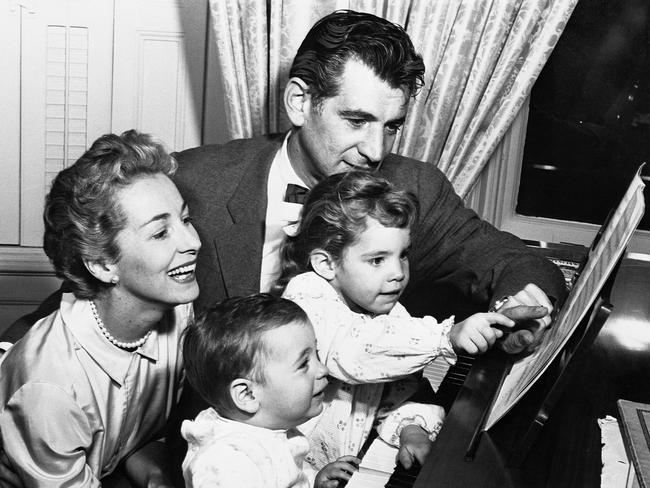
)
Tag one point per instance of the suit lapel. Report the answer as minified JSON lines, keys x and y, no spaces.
{"x":239,"y":244}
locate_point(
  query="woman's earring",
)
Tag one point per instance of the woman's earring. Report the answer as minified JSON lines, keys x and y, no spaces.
{"x":114,"y":280}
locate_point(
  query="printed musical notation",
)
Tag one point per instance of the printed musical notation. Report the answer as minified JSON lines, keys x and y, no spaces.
{"x":607,"y":249}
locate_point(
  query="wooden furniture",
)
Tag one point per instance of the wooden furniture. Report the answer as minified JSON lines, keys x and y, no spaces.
{"x":566,"y":451}
{"x":551,"y":437}
{"x":635,"y":428}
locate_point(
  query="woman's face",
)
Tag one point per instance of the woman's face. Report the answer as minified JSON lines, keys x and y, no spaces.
{"x":158,"y":246}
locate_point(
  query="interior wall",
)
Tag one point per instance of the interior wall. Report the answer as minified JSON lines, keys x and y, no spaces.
{"x":156,"y":71}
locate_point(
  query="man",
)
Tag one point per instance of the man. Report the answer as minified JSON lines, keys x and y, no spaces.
{"x":347,"y":97}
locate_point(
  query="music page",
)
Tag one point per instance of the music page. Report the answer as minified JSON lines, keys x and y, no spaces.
{"x":601,"y":259}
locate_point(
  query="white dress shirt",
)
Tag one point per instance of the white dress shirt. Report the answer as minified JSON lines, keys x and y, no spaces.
{"x":279,"y":214}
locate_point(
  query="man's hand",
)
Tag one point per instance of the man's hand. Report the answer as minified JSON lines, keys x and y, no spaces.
{"x":531,"y":309}
{"x":414,"y":445}
{"x":340,"y":470}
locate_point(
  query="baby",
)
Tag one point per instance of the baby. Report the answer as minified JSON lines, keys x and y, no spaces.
{"x":253,"y":360}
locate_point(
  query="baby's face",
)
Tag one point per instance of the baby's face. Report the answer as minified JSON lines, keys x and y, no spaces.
{"x":373,"y":272}
{"x":294,"y":377}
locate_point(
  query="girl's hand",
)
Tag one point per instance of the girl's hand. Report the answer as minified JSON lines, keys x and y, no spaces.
{"x":476,"y":334}
{"x":414,"y":446}
{"x":531,"y":309}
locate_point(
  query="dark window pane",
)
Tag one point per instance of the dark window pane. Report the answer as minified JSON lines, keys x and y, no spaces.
{"x":589,"y":121}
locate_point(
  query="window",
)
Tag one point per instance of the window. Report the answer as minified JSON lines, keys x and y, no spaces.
{"x":589,"y":118}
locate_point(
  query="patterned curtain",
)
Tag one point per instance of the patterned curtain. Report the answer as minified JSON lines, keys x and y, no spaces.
{"x":481,"y":56}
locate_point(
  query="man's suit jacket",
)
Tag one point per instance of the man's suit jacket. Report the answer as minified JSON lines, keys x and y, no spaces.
{"x":458,"y":262}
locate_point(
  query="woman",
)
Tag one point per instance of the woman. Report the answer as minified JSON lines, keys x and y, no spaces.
{"x":90,"y":387}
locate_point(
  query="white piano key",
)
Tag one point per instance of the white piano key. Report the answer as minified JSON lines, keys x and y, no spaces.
{"x":435,"y":372}
{"x":376,"y":466}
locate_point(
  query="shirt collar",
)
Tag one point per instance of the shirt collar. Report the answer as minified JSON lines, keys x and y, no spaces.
{"x":284,"y":169}
{"x":79,"y":319}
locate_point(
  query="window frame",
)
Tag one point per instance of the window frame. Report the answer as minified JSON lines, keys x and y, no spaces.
{"x":495,"y":198}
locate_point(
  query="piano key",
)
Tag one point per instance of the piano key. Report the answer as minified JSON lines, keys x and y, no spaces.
{"x":452,"y":382}
{"x":435,"y":372}
{"x":378,"y":468}
{"x":368,"y":479}
{"x":402,"y":477}
{"x":377,"y":465}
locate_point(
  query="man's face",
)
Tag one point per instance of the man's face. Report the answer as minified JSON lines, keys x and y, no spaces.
{"x":352,"y":130}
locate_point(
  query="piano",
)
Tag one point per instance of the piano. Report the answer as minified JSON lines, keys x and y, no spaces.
{"x":565,"y":448}
{"x":378,"y":464}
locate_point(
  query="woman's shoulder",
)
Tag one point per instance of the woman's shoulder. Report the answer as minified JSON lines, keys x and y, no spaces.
{"x":42,"y":356}
{"x":45,"y":335}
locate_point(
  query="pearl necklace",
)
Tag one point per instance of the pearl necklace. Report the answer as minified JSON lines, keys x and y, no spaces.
{"x":109,"y":336}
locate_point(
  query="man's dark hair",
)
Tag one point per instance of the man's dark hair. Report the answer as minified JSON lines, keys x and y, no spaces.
{"x":342,"y":35}
{"x":226,"y":342}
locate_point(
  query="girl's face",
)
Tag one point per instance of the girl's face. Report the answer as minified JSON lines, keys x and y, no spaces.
{"x":158,"y":246}
{"x":373,"y":272}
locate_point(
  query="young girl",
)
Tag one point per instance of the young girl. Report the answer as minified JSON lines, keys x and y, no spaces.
{"x":347,"y":266}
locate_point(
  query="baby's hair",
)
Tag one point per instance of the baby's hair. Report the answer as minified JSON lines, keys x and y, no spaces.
{"x":335,"y":214}
{"x":226,"y":342}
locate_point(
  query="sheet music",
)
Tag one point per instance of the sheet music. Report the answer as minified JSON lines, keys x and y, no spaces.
{"x":601,"y":260}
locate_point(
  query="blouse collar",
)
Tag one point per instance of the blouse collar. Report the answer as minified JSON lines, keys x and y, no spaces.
{"x":78,"y":318}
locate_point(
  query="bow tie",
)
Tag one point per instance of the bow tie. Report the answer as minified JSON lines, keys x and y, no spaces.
{"x":296,"y":194}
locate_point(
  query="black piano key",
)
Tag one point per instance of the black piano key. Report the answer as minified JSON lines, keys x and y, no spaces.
{"x":402,"y":477}
{"x":453,"y":380}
